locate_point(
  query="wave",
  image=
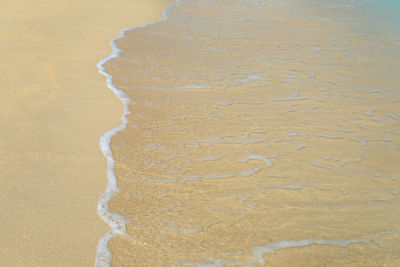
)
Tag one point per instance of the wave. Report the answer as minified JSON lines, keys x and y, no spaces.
{"x":114,"y":220}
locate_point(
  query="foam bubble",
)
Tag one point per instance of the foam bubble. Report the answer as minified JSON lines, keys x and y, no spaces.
{"x":114,"y":220}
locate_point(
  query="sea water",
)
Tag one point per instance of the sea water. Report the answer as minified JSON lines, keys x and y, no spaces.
{"x":256,"y":132}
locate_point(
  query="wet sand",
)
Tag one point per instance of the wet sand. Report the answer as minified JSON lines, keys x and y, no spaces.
{"x":261,"y":133}
{"x":55,"y":105}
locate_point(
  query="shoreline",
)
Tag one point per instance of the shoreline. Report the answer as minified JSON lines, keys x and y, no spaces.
{"x":115,"y":221}
{"x":56,"y":105}
{"x":238,"y":152}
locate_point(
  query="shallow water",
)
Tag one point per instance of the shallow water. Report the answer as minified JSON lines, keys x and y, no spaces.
{"x":261,"y":132}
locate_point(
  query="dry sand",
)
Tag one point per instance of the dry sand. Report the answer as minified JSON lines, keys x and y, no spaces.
{"x":54,"y":106}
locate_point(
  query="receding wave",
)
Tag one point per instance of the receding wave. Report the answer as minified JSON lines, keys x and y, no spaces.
{"x":255,"y":132}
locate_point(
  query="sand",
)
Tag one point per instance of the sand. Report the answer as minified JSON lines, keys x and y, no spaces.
{"x":54,"y":106}
{"x":271,"y":142}
{"x":277,"y":148}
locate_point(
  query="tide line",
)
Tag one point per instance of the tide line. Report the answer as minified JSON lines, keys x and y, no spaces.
{"x":115,"y":220}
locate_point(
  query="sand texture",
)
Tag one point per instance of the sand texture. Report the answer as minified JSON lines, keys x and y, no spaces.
{"x":261,"y":132}
{"x":55,"y":105}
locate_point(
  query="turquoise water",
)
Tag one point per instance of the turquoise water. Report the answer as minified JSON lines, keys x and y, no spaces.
{"x":386,"y":15}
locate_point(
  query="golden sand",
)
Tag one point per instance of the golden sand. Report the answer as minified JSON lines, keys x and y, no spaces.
{"x":54,"y":107}
{"x":259,"y":134}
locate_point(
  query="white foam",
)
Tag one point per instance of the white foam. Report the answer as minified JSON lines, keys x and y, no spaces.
{"x":186,"y":230}
{"x":324,"y":187}
{"x":331,"y":82}
{"x":291,"y":186}
{"x":209,"y":159}
{"x":193,"y":86}
{"x":250,"y":78}
{"x":333,"y":136}
{"x":295,"y":96}
{"x":218,"y":176}
{"x":191,"y":177}
{"x":249,"y":172}
{"x":258,"y":157}
{"x":258,"y":131}
{"x":296,"y":133}
{"x":282,"y":139}
{"x":150,"y":147}
{"x":325,"y":157}
{"x":303,"y":182}
{"x":386,"y":138}
{"x":163,"y":180}
{"x":270,"y":248}
{"x":224,"y":103}
{"x":393,"y":116}
{"x":319,"y":164}
{"x":221,"y":140}
{"x":212,"y":262}
{"x":369,"y":112}
{"x":114,"y":220}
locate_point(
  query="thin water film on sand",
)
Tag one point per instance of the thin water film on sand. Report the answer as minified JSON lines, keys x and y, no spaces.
{"x":261,"y":132}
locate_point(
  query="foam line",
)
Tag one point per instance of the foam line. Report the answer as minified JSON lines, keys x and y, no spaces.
{"x":116,"y":221}
{"x":270,"y":248}
{"x":258,"y":252}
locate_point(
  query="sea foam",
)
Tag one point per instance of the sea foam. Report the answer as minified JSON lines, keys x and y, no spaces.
{"x":115,"y":221}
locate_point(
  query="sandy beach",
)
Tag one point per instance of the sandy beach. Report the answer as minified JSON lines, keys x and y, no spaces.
{"x":255,"y":133}
{"x":55,"y":105}
{"x":261,"y":133}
